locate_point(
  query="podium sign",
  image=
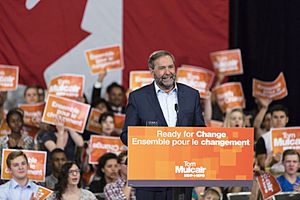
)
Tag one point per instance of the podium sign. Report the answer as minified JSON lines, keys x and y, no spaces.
{"x":190,"y":156}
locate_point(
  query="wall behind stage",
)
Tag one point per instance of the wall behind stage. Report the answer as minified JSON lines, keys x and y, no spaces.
{"x":267,"y":32}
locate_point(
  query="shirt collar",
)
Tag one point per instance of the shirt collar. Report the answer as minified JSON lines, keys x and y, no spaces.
{"x":15,"y":184}
{"x":157,"y":89}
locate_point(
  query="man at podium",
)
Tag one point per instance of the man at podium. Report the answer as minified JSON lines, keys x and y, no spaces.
{"x":162,"y":103}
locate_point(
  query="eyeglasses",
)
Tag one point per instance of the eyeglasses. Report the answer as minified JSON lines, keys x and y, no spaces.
{"x":74,"y":171}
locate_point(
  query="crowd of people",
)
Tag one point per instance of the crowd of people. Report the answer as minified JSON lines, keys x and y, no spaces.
{"x":70,"y":175}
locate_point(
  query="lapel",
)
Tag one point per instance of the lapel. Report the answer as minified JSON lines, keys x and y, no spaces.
{"x":153,"y":100}
{"x":181,"y":102}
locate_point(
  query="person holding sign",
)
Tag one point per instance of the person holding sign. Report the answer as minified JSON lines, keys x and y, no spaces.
{"x":279,"y":119}
{"x":162,"y":103}
{"x":19,"y":187}
{"x":289,"y":181}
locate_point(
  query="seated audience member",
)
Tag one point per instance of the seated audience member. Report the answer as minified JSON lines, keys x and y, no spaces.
{"x":19,"y":187}
{"x":107,"y":172}
{"x":211,"y":194}
{"x":31,"y":95}
{"x":16,"y":140}
{"x":107,"y":123}
{"x":57,"y":160}
{"x":68,"y":185}
{"x":120,"y":189}
{"x":289,"y":181}
{"x":279,"y":119}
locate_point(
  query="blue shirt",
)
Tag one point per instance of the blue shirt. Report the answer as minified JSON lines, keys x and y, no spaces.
{"x":167,"y":103}
{"x":13,"y":191}
{"x":285,"y":185}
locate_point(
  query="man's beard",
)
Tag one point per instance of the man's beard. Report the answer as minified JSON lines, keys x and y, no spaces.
{"x":161,"y":84}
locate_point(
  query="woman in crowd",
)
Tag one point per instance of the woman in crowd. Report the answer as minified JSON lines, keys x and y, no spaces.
{"x":68,"y":186}
{"x":235,"y":118}
{"x":31,"y":95}
{"x":16,"y":140}
{"x":107,"y":123}
{"x":107,"y":172}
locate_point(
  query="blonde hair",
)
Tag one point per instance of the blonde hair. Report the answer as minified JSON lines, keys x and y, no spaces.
{"x":228,"y":117}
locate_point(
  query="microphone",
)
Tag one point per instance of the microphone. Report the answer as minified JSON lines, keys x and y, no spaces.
{"x":176,"y":108}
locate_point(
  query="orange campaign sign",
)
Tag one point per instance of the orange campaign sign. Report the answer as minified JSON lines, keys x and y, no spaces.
{"x":119,"y":120}
{"x":268,"y":184}
{"x":190,"y":156}
{"x":103,"y":144}
{"x":93,"y":121}
{"x":4,"y":129}
{"x":37,"y":164}
{"x":67,"y":85}
{"x":138,"y":79}
{"x":73,"y":113}
{"x":106,"y":58}
{"x":285,"y":138}
{"x":274,"y":90}
{"x":9,"y":77}
{"x":230,"y":96}
{"x":33,"y":113}
{"x":228,"y":62}
{"x":199,"y":78}
{"x":43,"y":193}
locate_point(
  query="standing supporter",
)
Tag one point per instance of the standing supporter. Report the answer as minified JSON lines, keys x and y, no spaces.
{"x":279,"y":119}
{"x":289,"y":181}
{"x":57,"y":160}
{"x":102,"y":105}
{"x":261,"y":118}
{"x":68,"y":186}
{"x":162,"y":103}
{"x":115,"y":92}
{"x":63,"y":138}
{"x":19,"y":187}
{"x":120,"y":189}
{"x":235,"y":118}
{"x":107,"y":172}
{"x":31,"y":94}
{"x":16,"y":140}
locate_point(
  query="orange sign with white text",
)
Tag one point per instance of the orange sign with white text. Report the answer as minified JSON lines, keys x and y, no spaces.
{"x":102,"y":59}
{"x":33,"y":113}
{"x":9,"y":77}
{"x":138,"y":79}
{"x":4,"y":129}
{"x":103,"y":144}
{"x":285,"y":138}
{"x":37,"y":164}
{"x":67,"y":85}
{"x":228,"y":62}
{"x":274,"y":90}
{"x":268,"y":184}
{"x":230,"y":96}
{"x":73,"y":113}
{"x":93,"y":121}
{"x":198,"y":78}
{"x":119,"y":120}
{"x":189,"y":156}
{"x":43,"y":193}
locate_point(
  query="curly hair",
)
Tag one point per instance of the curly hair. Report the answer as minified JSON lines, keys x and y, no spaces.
{"x":62,"y":183}
{"x":102,"y":161}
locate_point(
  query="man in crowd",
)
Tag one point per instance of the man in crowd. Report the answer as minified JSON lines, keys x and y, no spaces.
{"x":279,"y":119}
{"x":289,"y":181}
{"x":57,"y":159}
{"x":120,"y":189}
{"x":162,"y":103}
{"x":19,"y":187}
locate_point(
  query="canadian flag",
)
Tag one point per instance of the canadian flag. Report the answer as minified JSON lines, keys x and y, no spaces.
{"x":46,"y":38}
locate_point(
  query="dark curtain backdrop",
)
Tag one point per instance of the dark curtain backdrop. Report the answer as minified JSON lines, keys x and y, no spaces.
{"x":268,"y":34}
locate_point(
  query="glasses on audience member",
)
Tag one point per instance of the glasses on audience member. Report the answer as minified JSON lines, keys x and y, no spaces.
{"x":74,"y":171}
